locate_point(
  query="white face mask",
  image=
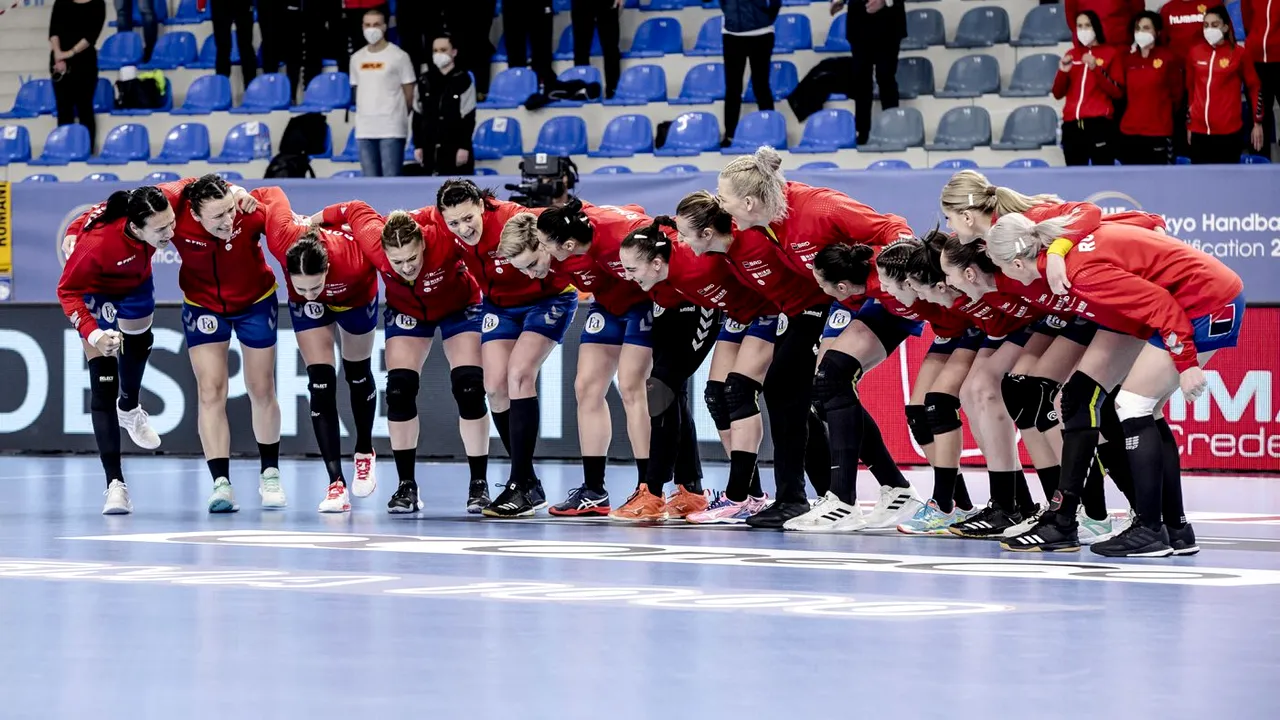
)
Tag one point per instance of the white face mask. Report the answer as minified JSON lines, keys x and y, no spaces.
{"x":372,"y":35}
{"x":1144,"y":39}
{"x":442,"y":60}
{"x":1213,"y":35}
{"x":1086,"y":37}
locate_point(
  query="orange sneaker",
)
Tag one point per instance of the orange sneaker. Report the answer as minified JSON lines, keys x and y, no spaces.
{"x":682,"y":503}
{"x":642,"y":506}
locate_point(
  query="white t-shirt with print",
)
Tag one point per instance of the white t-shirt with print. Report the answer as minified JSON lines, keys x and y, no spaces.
{"x":378,"y":78}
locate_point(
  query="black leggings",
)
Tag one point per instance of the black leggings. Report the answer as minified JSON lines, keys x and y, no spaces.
{"x":1215,"y":149}
{"x":682,"y":338}
{"x":73,"y":94}
{"x":240,"y":12}
{"x":1145,"y":150}
{"x":738,"y":51}
{"x":1090,"y":139}
{"x":788,"y":394}
{"x":598,"y":16}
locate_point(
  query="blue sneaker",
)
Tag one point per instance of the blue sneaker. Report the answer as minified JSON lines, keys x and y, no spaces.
{"x":930,"y":520}
{"x":583,"y":502}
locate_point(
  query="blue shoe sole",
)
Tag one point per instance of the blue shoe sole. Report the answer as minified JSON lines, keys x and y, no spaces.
{"x":222,"y":506}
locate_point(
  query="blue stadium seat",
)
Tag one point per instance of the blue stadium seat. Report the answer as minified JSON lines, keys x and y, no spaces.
{"x":161,"y":176}
{"x":184,"y":143}
{"x":791,"y":32}
{"x":889,"y":165}
{"x":244,"y":142}
{"x":207,"y":60}
{"x":497,"y":137}
{"x":640,"y":85}
{"x":351,"y":152}
{"x":101,"y":177}
{"x":165,"y":106}
{"x":35,"y":98}
{"x":962,"y":128}
{"x":500,"y":52}
{"x":691,"y":133}
{"x":207,"y":94}
{"x":486,"y":171}
{"x":267,"y":93}
{"x":15,"y":144}
{"x":1027,"y":163}
{"x":160,"y":8}
{"x":612,"y":170}
{"x":229,"y":175}
{"x":1044,"y":25}
{"x":656,"y":37}
{"x":756,"y":129}
{"x":1029,"y":127}
{"x":661,"y":5}
{"x":564,"y":135}
{"x":510,"y":88}
{"x":704,"y":83}
{"x":820,"y":164}
{"x":915,"y":77}
{"x":173,"y":50}
{"x":895,"y":130}
{"x":783,"y":79}
{"x":40,"y":178}
{"x":625,"y":136}
{"x":1254,"y":160}
{"x":583,"y":73}
{"x":326,"y":91}
{"x":120,"y":49}
{"x":827,"y":131}
{"x":710,"y":40}
{"x":972,"y":76}
{"x":924,"y":28}
{"x":982,"y":27}
{"x":564,"y":51}
{"x":104,"y":96}
{"x":1033,"y":76}
{"x":837,"y":36}
{"x":65,"y":144}
{"x":680,"y":169}
{"x":1236,"y":13}
{"x":188,"y":14}
{"x":346,"y":174}
{"x":124,"y":144}
{"x":956,"y":164}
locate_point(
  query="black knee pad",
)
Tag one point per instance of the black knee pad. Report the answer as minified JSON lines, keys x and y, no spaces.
{"x":467,"y":382}
{"x":359,"y":373}
{"x":660,"y":396}
{"x":1046,"y":415}
{"x":743,"y":396}
{"x":834,"y":383}
{"x":322,"y":383}
{"x":137,"y":346}
{"x":1111,"y":428}
{"x":1021,"y":399}
{"x":104,"y":384}
{"x":402,"y":395}
{"x":943,"y":411}
{"x":1082,"y":402}
{"x":717,"y":405}
{"x":918,"y":423}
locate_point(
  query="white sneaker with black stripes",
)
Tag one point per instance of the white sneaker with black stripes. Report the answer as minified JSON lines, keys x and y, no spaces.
{"x":895,"y":506}
{"x":829,"y":515}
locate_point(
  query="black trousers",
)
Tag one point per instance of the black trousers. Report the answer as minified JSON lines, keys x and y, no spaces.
{"x":527,"y":27}
{"x":878,"y":55}
{"x":444,"y":161}
{"x":1215,"y":149}
{"x":739,"y":51}
{"x":1145,"y":150}
{"x":1090,"y":139}
{"x":239,"y":12}
{"x":471,"y":30}
{"x":788,"y":393}
{"x":682,"y":339}
{"x":598,"y":16}
{"x":73,"y":96}
{"x":1269,"y":74}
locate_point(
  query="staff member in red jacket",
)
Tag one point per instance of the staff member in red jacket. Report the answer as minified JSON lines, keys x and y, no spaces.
{"x":1153,"y":91}
{"x":1217,"y":71}
{"x":1091,"y":79}
{"x":1183,"y":25}
{"x":1116,"y":18}
{"x":1262,"y":40}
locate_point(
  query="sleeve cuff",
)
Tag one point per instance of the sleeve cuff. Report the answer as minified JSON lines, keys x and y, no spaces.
{"x":95,"y":336}
{"x":1060,"y":247}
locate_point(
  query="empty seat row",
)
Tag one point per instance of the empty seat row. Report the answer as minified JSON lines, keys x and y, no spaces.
{"x":123,"y":144}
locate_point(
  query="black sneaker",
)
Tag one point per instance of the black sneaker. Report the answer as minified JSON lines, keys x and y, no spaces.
{"x":1183,"y":540}
{"x":772,"y":517}
{"x":405,"y":499}
{"x":1137,"y":540}
{"x":511,"y":503}
{"x":989,"y":524}
{"x":583,"y":502}
{"x":537,"y":496}
{"x":1051,"y":534}
{"x":477,"y":496}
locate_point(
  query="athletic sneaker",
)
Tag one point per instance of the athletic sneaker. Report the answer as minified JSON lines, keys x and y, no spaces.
{"x":477,"y":496}
{"x":222,"y":500}
{"x":777,"y":514}
{"x":1183,"y":540}
{"x":684,"y":502}
{"x":512,"y":502}
{"x":118,"y":502}
{"x":336,"y":501}
{"x":269,"y":488}
{"x":1091,"y":531}
{"x":537,"y":496}
{"x":1048,"y":535}
{"x":642,"y":506}
{"x":1137,"y":540}
{"x":138,"y":425}
{"x":1119,"y":525}
{"x":366,"y":480}
{"x":930,"y":520}
{"x":727,"y":512}
{"x":989,"y":523}
{"x":1027,"y":523}
{"x":405,"y":499}
{"x":896,"y":505}
{"x":830,"y":515}
{"x":583,"y":502}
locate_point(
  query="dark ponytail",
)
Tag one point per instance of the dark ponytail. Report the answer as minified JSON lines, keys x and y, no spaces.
{"x":844,"y":263}
{"x":973,"y":254}
{"x":926,"y":264}
{"x":896,"y":257}
{"x":651,"y":242}
{"x":137,"y":205}
{"x":459,"y":192}
{"x":307,"y":256}
{"x":562,"y":224}
{"x":205,"y":188}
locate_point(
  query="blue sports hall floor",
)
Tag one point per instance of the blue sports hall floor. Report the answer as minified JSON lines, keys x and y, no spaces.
{"x":172,"y":613}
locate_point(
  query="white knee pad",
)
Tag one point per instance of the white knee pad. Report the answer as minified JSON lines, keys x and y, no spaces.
{"x":1132,"y":405}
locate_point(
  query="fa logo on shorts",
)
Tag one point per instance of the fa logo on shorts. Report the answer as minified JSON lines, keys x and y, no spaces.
{"x":313,"y":310}
{"x":490,"y":323}
{"x":595,"y":323}
{"x":405,"y":322}
{"x":839,"y":319}
{"x":657,"y":309}
{"x":1055,"y":322}
{"x":782,"y":324}
{"x":733,"y":326}
{"x":108,"y":312}
{"x":207,"y":324}
{"x":940,"y":340}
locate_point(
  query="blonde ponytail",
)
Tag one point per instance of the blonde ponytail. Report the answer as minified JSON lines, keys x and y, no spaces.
{"x":971,"y":190}
{"x":518,"y":235}
{"x":1016,"y":237}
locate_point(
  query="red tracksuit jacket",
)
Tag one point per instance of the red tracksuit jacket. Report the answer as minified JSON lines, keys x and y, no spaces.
{"x":818,"y":217}
{"x":1153,"y":89}
{"x":709,"y":281}
{"x":352,"y":281}
{"x":1183,"y":25}
{"x":1262,"y":29}
{"x":1215,"y":77}
{"x":1091,"y":91}
{"x":762,"y":266}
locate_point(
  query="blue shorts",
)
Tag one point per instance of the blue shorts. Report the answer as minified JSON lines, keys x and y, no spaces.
{"x":764,"y":327}
{"x":138,"y":304}
{"x":397,"y":323}
{"x":970,"y":339}
{"x":891,"y":330}
{"x":1078,"y":330}
{"x":549,"y":318}
{"x":255,"y":327}
{"x":355,"y":320}
{"x":1017,"y":337}
{"x":634,"y":327}
{"x":1217,"y":330}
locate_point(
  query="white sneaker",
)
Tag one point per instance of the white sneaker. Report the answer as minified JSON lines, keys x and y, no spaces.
{"x":222,"y":500}
{"x":336,"y":501}
{"x":895,"y":506}
{"x":138,"y":425}
{"x":118,"y":502}
{"x":366,"y":475}
{"x":270,"y":490}
{"x":1118,"y":525}
{"x":1092,"y":530}
{"x":830,"y":515}
{"x":1025,"y":526}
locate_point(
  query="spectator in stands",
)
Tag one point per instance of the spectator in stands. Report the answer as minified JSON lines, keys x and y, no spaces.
{"x":468,"y":24}
{"x":599,"y":16}
{"x":150,"y":22}
{"x":1089,"y":77}
{"x":526,"y":25}
{"x":1183,"y":29}
{"x":1217,"y":71}
{"x":1262,"y":38}
{"x":446,"y":119}
{"x":1153,"y":90}
{"x":748,"y":38}
{"x":240,"y":12}
{"x":1116,"y":17}
{"x":74,"y":27}
{"x":382,"y":81}
{"x":352,"y":24}
{"x":876,"y":29}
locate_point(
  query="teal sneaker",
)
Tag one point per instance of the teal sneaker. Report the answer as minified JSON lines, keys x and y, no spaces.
{"x":222,"y":500}
{"x":930,"y":520}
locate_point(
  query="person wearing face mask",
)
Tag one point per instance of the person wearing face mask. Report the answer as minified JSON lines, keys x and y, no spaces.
{"x":1091,"y":79}
{"x":1153,"y":90}
{"x":1217,"y":71}
{"x":352,"y":22}
{"x":1115,"y":16}
{"x":382,"y":82}
{"x":1262,"y":39}
{"x":445,"y":118}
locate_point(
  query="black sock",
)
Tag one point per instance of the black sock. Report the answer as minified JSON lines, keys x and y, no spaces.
{"x":755,"y":490}
{"x":665,"y":449}
{"x":944,"y":487}
{"x":1049,"y":478}
{"x":479,"y":466}
{"x":219,"y":468}
{"x":1003,"y":494}
{"x":134,"y":352}
{"x":1078,"y":448}
{"x":962,"y":494}
{"x":642,"y":469}
{"x":405,"y":460}
{"x":502,"y":421}
{"x":742,"y":465}
{"x":1116,"y":463}
{"x":104,"y":386}
{"x":324,"y":418}
{"x":1145,"y":451}
{"x":1022,"y":493}
{"x":1094,"y":496}
{"x":1175,"y":515}
{"x":688,"y":461}
{"x":525,"y":419}
{"x":364,"y":401}
{"x":846,"y":425}
{"x":817,"y":455}
{"x":269,"y":455}
{"x":593,"y":472}
{"x":875,"y":455}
